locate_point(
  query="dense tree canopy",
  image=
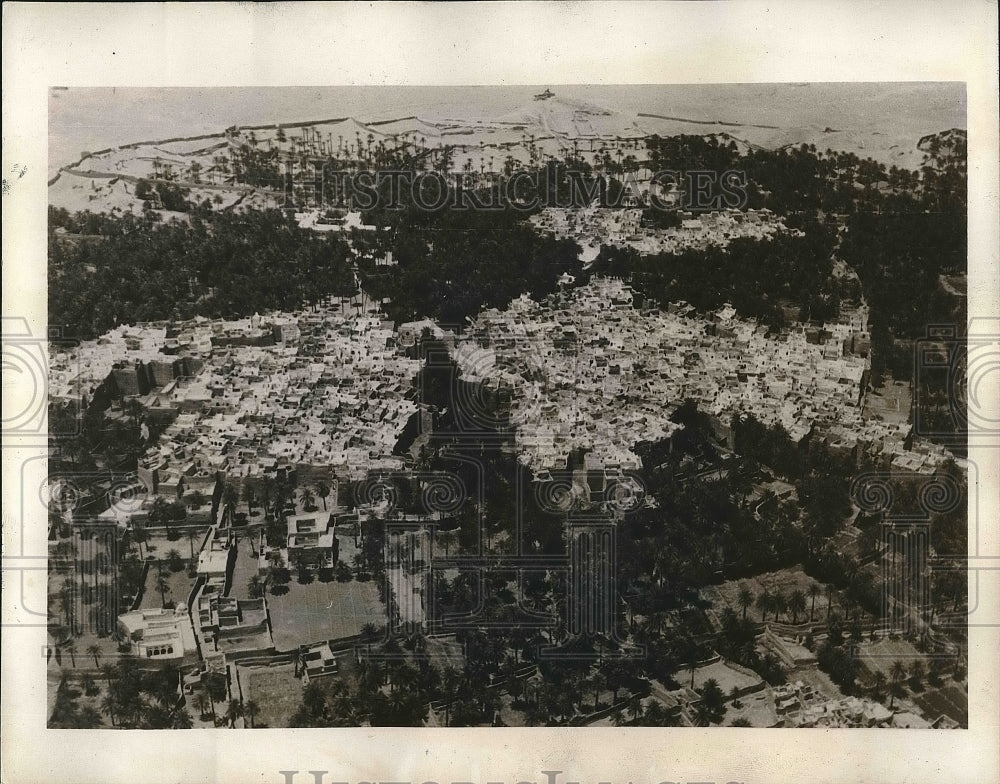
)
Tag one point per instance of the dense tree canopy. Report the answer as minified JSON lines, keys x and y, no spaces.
{"x":220,"y":265}
{"x":457,"y":262}
{"x":754,"y":276}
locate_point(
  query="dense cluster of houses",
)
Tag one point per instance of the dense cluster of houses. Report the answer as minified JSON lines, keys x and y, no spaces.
{"x":326,"y":386}
{"x":330,"y":385}
{"x":596,"y":226}
{"x":799,"y":705}
{"x":588,"y":369}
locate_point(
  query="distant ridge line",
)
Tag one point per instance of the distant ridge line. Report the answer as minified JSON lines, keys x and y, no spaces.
{"x":708,"y":122}
{"x":134,"y":146}
{"x":301,"y":124}
{"x":376,"y":123}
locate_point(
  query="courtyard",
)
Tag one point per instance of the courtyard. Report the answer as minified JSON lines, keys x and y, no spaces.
{"x":323,"y":611}
{"x":276,"y":692}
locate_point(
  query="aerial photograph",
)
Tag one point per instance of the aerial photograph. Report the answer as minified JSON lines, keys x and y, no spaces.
{"x":508,"y":406}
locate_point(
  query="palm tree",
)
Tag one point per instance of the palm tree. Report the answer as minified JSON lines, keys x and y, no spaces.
{"x":850,"y":605}
{"x":162,"y":583}
{"x":878,"y":687}
{"x":95,"y":651}
{"x":597,"y":682}
{"x":215,"y":685}
{"x":897,"y":672}
{"x":691,"y":654}
{"x":67,"y":594}
{"x":451,"y":681}
{"x":323,"y":491}
{"x":368,"y":633}
{"x":447,"y":539}
{"x":252,"y":709}
{"x":712,"y":707}
{"x":745,"y":599}
{"x":814,"y":591}
{"x":250,"y":493}
{"x":532,"y":714}
{"x":175,"y":560}
{"x":764,"y":603}
{"x":307,"y":499}
{"x":191,"y":536}
{"x":797,"y":604}
{"x":267,"y":493}
{"x":230,"y":497}
{"x":89,"y":684}
{"x":515,"y":687}
{"x":158,"y":511}
{"x":780,"y":605}
{"x":212,"y":696}
{"x":233,"y":712}
{"x":180,"y":719}
{"x":87,"y":719}
{"x":70,"y":648}
{"x":109,"y":706}
{"x":139,"y":537}
{"x":372,"y":676}
{"x":255,"y":587}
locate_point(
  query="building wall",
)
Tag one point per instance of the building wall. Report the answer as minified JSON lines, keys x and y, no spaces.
{"x":126,"y":380}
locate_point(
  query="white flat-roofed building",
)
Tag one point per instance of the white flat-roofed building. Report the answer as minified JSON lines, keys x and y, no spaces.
{"x":317,"y":661}
{"x":158,"y":633}
{"x":311,"y":538}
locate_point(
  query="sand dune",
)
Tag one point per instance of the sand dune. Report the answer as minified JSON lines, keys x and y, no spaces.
{"x":553,"y":127}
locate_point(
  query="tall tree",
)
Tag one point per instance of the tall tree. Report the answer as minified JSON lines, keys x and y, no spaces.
{"x":796,"y":604}
{"x":745,"y":599}
{"x":175,"y":561}
{"x":109,"y":706}
{"x":779,"y":604}
{"x":323,"y":491}
{"x":215,"y":685}
{"x":307,"y":499}
{"x":712,"y":706}
{"x":139,"y":537}
{"x":230,"y":498}
{"x":765,"y":603}
{"x":255,"y":587}
{"x":252,"y":709}
{"x":251,"y":492}
{"x":162,"y":583}
{"x":897,"y":673}
{"x":234,"y":712}
{"x":692,"y":654}
{"x":814,"y":591}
